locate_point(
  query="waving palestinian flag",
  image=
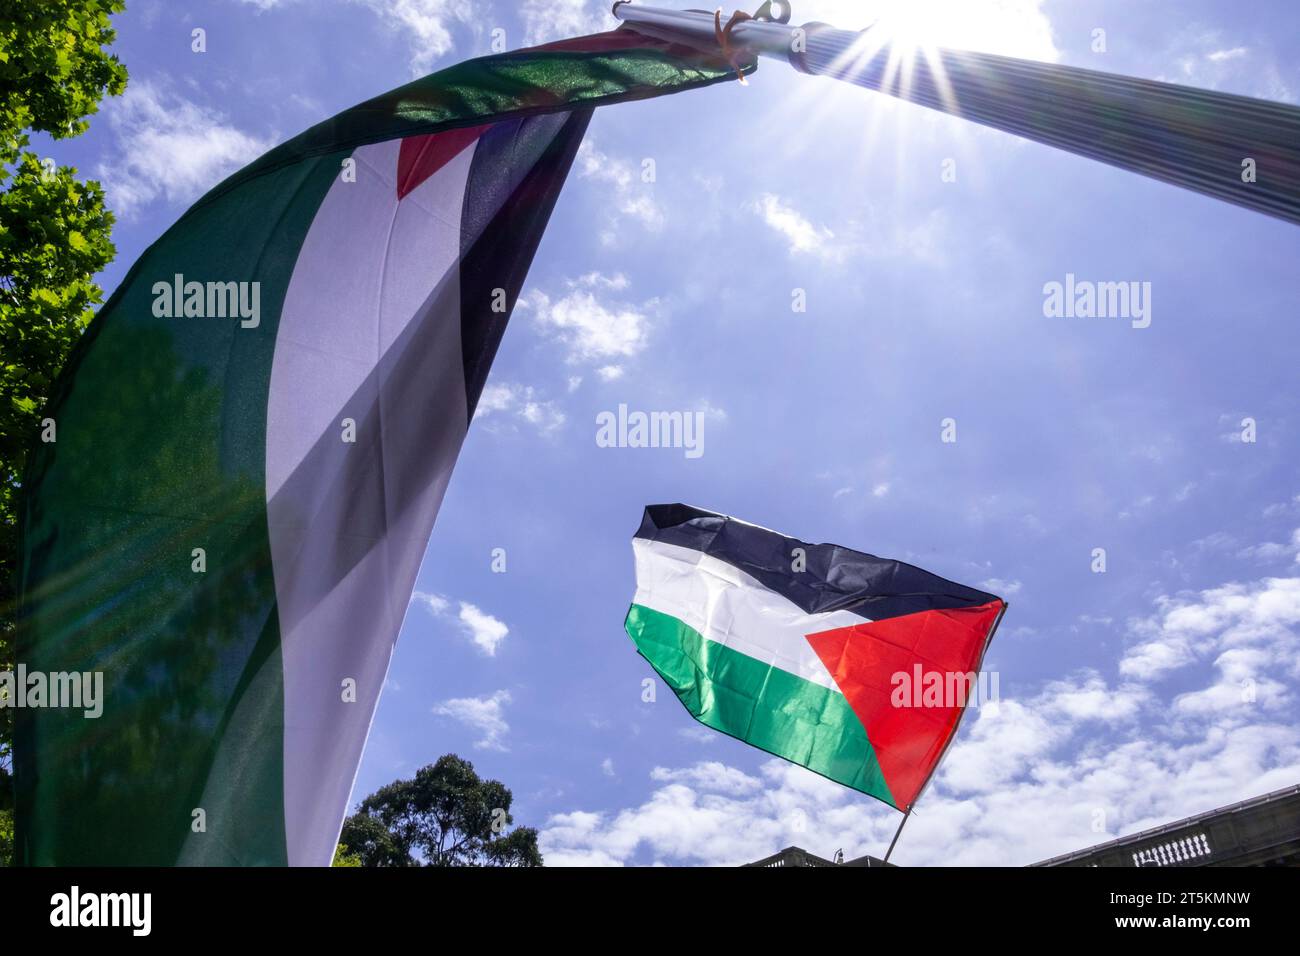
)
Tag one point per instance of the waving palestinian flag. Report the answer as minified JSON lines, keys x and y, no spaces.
{"x":253,"y":440}
{"x":808,"y":651}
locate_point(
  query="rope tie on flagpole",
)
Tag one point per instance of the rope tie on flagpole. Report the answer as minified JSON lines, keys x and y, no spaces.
{"x":772,"y":11}
{"x":723,"y":35}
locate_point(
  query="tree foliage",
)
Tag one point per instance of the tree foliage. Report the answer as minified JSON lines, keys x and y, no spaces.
{"x":54,"y":237}
{"x":6,"y":837}
{"x":6,"y":820}
{"x":53,"y":67}
{"x":446,"y":816}
{"x":345,"y":857}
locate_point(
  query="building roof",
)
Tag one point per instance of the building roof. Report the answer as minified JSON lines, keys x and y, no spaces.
{"x":1261,"y":831}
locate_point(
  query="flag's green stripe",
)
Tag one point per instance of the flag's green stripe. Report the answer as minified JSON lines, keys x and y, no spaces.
{"x":496,"y":88}
{"x":160,"y":450}
{"x":763,"y":705}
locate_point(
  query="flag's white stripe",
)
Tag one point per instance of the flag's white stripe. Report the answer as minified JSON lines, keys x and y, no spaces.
{"x":728,"y":606}
{"x":349,"y":522}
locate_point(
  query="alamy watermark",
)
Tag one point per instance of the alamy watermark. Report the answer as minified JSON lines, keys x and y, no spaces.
{"x":133,"y":911}
{"x":208,"y":300}
{"x":626,"y":429}
{"x":1084,"y":299}
{"x":921,"y":688}
{"x":76,"y":690}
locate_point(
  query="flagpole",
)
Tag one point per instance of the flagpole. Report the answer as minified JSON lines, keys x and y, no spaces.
{"x":1237,"y":149}
{"x":979,"y":666}
{"x":769,"y":37}
{"x":901,"y":824}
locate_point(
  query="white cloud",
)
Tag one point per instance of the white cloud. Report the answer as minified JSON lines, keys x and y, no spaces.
{"x":485,"y":715}
{"x":880,"y":489}
{"x":710,"y":775}
{"x":1201,"y":57}
{"x":1218,"y":56}
{"x":1274,"y":550}
{"x":591,"y":328}
{"x":598,"y":280}
{"x":1268,"y":551}
{"x":1154,"y":659}
{"x":546,"y":20}
{"x":1196,"y":626}
{"x":607,"y":766}
{"x":1084,"y":759}
{"x":610,"y":373}
{"x":436,"y":604}
{"x":506,"y":399}
{"x":542,"y":414}
{"x":632,"y":196}
{"x":1001,"y":587}
{"x":1096,"y":620}
{"x":424,"y":23}
{"x":801,"y":236}
{"x":495,"y":398}
{"x":922,"y":240}
{"x":711,"y":412}
{"x":1282,"y":508}
{"x":1019,"y":762}
{"x":1088,"y":698}
{"x":169,"y":148}
{"x":1004,"y":742}
{"x":699,"y":733}
{"x":1243,"y":677}
{"x":483,"y":629}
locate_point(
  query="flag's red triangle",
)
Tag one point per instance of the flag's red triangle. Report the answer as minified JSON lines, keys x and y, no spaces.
{"x":864,"y":658}
{"x":422,"y":156}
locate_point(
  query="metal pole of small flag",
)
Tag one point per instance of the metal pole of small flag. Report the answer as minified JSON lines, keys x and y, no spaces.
{"x":1235,"y":148}
{"x":989,"y":640}
{"x":979,"y":667}
{"x":902,"y":823}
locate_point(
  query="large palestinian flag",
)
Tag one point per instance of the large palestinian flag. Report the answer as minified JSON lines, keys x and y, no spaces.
{"x":812,"y":652}
{"x":253,"y":439}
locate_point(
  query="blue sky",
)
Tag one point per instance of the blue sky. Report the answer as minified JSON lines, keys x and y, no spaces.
{"x":1162,"y":687}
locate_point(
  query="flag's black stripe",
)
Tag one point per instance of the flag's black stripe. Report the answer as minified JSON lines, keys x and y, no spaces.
{"x":518,"y":169}
{"x":834,"y":578}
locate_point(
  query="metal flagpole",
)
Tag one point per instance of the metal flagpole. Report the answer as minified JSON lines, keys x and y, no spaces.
{"x":926,"y":786}
{"x":902,"y":823}
{"x":1238,"y":149}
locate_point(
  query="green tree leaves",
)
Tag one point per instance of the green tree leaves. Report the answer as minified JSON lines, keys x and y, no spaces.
{"x":53,"y":69}
{"x":446,"y":816}
{"x":6,"y":820}
{"x":54,"y":237}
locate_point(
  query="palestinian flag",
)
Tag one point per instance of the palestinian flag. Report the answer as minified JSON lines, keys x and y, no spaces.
{"x":811,"y":652}
{"x":253,"y":439}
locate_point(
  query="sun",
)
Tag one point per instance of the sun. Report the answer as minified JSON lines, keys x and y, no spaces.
{"x":900,"y":45}
{"x":1017,"y":28}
